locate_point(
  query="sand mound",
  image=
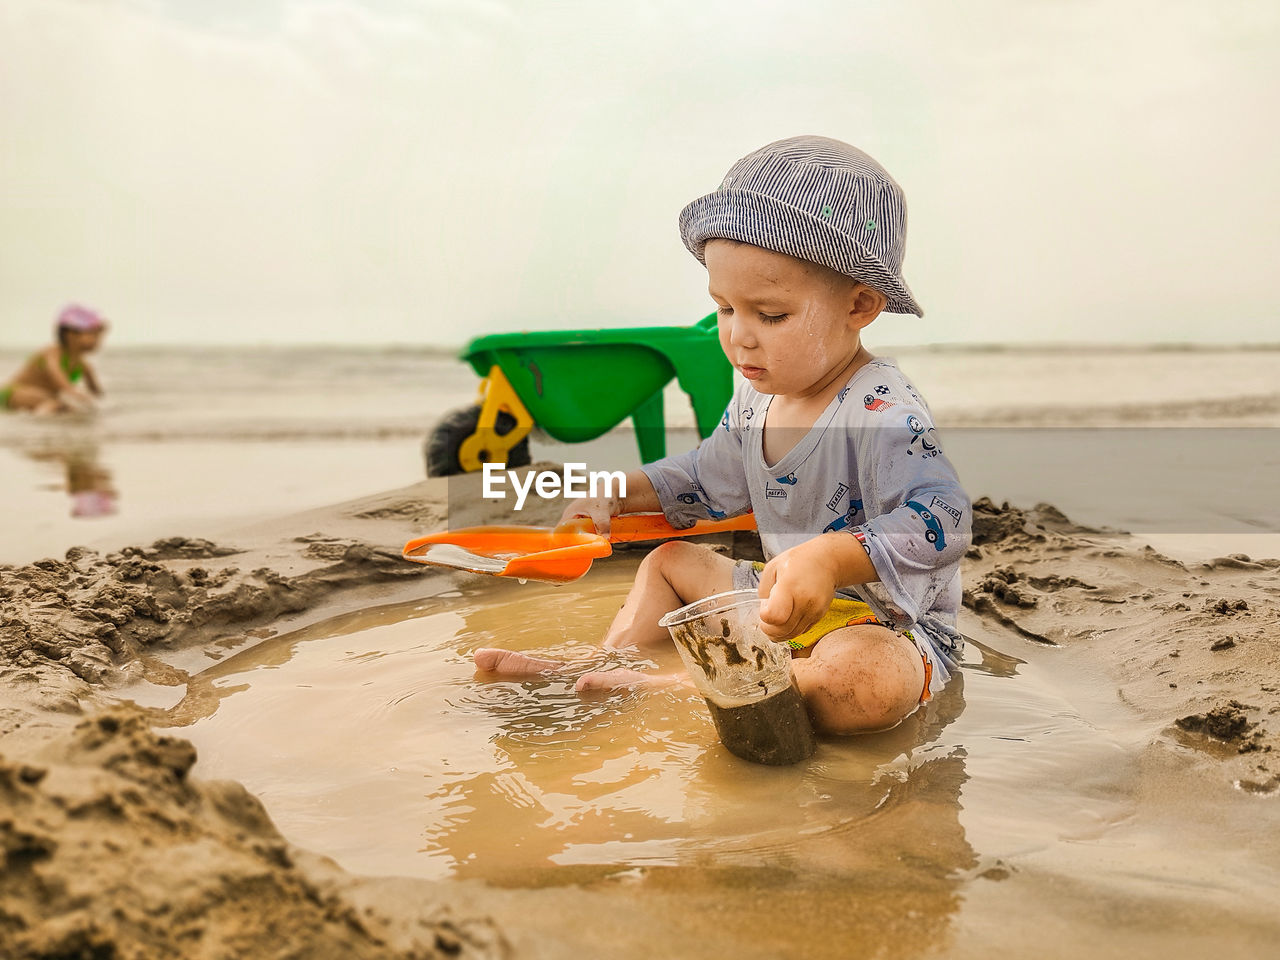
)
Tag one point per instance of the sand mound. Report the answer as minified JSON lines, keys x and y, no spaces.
{"x":1196,"y":646}
{"x":66,"y":625}
{"x":110,"y":850}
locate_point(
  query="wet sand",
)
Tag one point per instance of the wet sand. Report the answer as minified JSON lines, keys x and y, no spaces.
{"x":113,"y":849}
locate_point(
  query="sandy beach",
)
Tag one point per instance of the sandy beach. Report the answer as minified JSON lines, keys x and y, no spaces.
{"x":115,"y":845}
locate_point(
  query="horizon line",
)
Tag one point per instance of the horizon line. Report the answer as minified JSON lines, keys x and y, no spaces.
{"x":1021,"y":346}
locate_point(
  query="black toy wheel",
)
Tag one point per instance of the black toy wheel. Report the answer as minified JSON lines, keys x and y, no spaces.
{"x":440,"y":449}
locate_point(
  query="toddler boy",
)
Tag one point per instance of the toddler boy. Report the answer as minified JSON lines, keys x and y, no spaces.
{"x":861,"y":516}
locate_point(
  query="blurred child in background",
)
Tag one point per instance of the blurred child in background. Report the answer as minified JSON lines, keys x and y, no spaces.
{"x":58,"y":379}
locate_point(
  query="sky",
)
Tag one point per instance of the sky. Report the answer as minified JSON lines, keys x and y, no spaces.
{"x":426,"y":171}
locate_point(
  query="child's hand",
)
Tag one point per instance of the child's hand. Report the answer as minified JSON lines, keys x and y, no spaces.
{"x":797,"y":586}
{"x":640,"y":497}
{"x":600,"y":510}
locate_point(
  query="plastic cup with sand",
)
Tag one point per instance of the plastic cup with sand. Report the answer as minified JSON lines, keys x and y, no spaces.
{"x":744,"y":676}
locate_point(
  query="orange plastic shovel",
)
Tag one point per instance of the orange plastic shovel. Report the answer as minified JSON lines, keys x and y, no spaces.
{"x":550,"y":554}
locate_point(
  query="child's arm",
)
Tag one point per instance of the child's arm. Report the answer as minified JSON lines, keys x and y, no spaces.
{"x":91,"y":381}
{"x":640,"y":498}
{"x":706,"y":482}
{"x":800,"y":582}
{"x":69,"y":395}
{"x":52,"y":357}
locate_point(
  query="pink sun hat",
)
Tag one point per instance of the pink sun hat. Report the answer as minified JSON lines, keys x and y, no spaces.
{"x":76,"y":317}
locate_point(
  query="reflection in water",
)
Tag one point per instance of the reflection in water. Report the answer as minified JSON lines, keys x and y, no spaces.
{"x":374,"y":742}
{"x":864,"y":842}
{"x":88,"y":480}
{"x":641,"y":779}
{"x":867,"y":826}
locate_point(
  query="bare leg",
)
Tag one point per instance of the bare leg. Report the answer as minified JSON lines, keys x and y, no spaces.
{"x":509,"y":663}
{"x":23,"y":396}
{"x":675,"y":573}
{"x":623,"y":679}
{"x":860,"y":679}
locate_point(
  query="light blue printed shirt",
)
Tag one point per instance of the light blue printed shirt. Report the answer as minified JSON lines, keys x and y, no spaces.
{"x":871,"y":465}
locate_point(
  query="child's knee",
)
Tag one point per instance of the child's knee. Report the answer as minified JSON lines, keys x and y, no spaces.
{"x":677,"y":556}
{"x":664,"y":558}
{"x":693,"y":571}
{"x":670,"y":550}
{"x":861,"y":679}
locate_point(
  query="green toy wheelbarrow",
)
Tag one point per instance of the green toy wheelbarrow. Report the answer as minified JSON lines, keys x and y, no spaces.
{"x":576,"y":386}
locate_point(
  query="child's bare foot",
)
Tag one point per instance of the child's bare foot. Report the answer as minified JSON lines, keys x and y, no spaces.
{"x":509,"y":663}
{"x":512,"y":664}
{"x":619,"y":678}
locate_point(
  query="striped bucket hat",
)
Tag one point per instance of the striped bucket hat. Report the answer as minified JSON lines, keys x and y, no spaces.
{"x":815,"y":199}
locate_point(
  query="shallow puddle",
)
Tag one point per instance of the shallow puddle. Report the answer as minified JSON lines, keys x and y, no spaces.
{"x":370,"y":739}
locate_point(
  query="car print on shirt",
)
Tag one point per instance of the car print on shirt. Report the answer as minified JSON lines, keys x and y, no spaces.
{"x":875,"y":404}
{"x":839,"y":523}
{"x":933,"y":526}
{"x":920,"y":434}
{"x":780,"y":492}
{"x":692,"y":498}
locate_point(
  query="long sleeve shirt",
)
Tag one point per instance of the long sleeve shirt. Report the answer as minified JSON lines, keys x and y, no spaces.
{"x":872,"y":465}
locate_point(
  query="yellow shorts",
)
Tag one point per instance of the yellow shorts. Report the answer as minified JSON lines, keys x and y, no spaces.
{"x":841,"y":613}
